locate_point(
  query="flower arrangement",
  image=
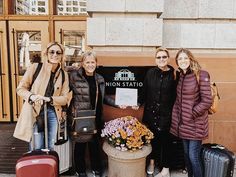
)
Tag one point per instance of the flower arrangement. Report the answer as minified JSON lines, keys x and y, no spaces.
{"x":126,"y":133}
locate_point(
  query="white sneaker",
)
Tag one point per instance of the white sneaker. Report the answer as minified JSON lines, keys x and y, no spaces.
{"x":150,"y":169}
{"x":161,"y":175}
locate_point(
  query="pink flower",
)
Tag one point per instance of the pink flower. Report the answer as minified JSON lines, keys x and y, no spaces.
{"x":126,"y":133}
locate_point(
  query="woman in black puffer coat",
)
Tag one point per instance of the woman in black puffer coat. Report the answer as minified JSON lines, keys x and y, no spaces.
{"x":85,"y":83}
{"x":159,"y":96}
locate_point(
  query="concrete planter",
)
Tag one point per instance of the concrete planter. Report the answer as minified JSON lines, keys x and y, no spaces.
{"x":131,"y":164}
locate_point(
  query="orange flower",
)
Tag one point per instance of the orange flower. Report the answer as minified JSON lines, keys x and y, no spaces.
{"x":123,"y":134}
{"x":127,"y":133}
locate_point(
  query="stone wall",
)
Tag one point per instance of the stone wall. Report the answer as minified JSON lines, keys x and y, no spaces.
{"x":208,"y":27}
{"x":124,"y":25}
{"x":195,"y":9}
{"x":126,"y":33}
{"x":200,"y":24}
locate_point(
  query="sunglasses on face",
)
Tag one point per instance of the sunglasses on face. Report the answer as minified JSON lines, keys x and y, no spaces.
{"x":163,"y":57}
{"x":52,"y":52}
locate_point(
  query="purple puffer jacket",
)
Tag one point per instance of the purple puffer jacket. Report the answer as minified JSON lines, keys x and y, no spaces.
{"x":190,"y":111}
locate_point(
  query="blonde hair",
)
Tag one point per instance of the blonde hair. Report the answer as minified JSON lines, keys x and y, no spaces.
{"x":194,"y":65}
{"x":88,"y":53}
{"x":62,"y":50}
{"x":161,"y":49}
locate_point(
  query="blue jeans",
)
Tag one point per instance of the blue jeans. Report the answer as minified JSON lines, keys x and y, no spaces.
{"x":52,"y":132}
{"x":192,"y":150}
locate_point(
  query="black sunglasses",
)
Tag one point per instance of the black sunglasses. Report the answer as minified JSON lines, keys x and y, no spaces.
{"x":52,"y":52}
{"x":164,"y":57}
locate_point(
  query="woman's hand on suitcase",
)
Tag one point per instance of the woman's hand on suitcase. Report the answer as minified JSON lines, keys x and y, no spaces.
{"x":35,"y":98}
{"x":39,"y":99}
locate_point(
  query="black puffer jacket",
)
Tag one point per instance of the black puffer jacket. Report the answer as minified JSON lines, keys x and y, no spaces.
{"x":159,"y":94}
{"x":81,"y":94}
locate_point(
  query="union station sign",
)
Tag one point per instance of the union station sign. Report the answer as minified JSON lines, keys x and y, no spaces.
{"x":123,"y":77}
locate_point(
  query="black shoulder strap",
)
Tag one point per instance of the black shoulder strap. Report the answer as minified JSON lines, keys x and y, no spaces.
{"x":64,"y":108}
{"x":63,"y":76}
{"x":36,"y":73}
{"x":176,"y":76}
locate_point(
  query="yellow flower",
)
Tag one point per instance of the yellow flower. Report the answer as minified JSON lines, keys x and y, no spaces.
{"x":129,"y":133}
{"x":136,"y":133}
{"x":123,"y":134}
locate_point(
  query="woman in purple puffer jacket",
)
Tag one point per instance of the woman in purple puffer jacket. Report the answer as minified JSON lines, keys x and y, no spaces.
{"x":190,"y":111}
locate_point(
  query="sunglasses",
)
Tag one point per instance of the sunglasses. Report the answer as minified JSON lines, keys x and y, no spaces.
{"x":163,"y":57}
{"x":52,"y":52}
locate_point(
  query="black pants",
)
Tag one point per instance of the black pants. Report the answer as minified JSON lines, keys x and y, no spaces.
{"x":94,"y":148}
{"x":161,"y":148}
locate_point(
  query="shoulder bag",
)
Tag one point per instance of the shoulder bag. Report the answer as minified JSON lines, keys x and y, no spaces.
{"x":84,"y":124}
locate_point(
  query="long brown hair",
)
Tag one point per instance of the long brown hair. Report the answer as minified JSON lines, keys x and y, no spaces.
{"x":194,"y":65}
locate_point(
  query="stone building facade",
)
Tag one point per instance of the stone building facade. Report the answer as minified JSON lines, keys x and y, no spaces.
{"x":126,"y":32}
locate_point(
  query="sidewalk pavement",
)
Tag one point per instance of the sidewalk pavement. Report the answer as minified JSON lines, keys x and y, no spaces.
{"x":11,"y":149}
{"x":173,"y":174}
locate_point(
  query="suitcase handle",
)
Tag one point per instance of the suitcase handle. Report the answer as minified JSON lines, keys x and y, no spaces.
{"x":45,"y":128}
{"x":45,"y":124}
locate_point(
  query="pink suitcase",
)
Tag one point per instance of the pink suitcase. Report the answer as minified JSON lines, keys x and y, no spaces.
{"x":39,"y":163}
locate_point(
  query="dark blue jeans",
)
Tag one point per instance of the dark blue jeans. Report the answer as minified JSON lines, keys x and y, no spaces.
{"x":192,"y":150}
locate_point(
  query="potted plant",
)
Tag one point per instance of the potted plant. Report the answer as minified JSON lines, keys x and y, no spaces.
{"x":127,"y":145}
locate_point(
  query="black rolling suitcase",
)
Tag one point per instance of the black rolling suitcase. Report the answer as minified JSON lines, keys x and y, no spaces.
{"x":177,"y":154}
{"x":217,"y":160}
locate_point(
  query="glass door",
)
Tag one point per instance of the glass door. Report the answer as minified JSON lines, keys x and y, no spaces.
{"x":4,"y":77}
{"x":27,"y":40}
{"x":72,"y":36}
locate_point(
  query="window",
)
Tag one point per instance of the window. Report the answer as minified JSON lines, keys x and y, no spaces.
{"x":29,"y":49}
{"x":83,"y":10}
{"x":82,"y":4}
{"x":74,"y":42}
{"x":71,"y":7}
{"x":41,"y":3}
{"x":75,"y":3}
{"x":68,"y":3}
{"x":31,"y":7}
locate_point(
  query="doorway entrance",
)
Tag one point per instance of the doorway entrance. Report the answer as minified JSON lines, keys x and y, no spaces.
{"x":27,"y":40}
